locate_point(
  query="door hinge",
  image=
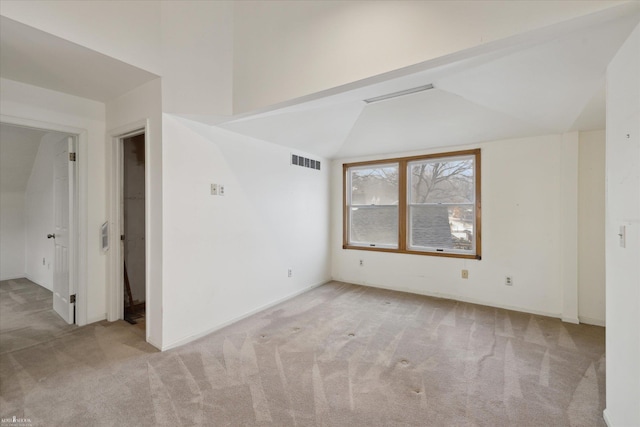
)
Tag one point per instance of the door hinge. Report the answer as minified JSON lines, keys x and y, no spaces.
{"x":72,"y":157}
{"x":122,"y":237}
{"x":72,"y":299}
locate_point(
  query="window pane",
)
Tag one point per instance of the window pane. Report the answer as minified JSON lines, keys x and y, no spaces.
{"x":442,"y":181}
{"x":374,"y":225}
{"x":375,"y":185}
{"x":442,"y":227}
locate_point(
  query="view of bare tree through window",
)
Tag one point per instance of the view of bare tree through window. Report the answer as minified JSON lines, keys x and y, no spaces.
{"x":420,"y":204}
{"x":442,"y":201}
{"x":374,"y":205}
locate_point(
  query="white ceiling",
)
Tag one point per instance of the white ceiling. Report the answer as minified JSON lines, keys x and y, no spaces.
{"x":18,"y":149}
{"x":545,"y":81}
{"x":38,"y":58}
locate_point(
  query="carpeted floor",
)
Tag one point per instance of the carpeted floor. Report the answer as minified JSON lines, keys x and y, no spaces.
{"x":26,"y":315}
{"x":339,"y":355}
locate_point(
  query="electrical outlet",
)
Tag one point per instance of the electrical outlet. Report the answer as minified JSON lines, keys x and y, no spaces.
{"x":465,"y":274}
{"x":290,"y":272}
{"x":508,"y":280}
{"x":221,"y":190}
{"x":361,"y":263}
{"x":214,"y":189}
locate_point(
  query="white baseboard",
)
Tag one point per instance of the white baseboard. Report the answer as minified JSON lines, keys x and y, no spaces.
{"x":12,"y":277}
{"x":592,"y":321}
{"x":188,"y":339}
{"x":156,"y":345}
{"x":459,"y":298}
{"x":606,"y":418}
{"x":96,"y":319}
{"x":573,"y":320}
{"x":37,"y":282}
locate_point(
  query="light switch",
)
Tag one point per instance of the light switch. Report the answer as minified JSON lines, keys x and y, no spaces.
{"x":214,"y":189}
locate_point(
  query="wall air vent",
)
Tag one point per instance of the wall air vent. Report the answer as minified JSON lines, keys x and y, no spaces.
{"x":305,"y":162}
{"x":399,"y":93}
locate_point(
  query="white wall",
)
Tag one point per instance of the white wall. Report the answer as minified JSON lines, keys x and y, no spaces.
{"x":591,"y":271}
{"x":228,"y":256}
{"x":522,"y":236}
{"x":623,"y":209}
{"x":197,"y":57}
{"x":143,"y":105}
{"x":49,"y":109}
{"x":39,"y":214}
{"x":283,"y":49}
{"x":12,"y":228}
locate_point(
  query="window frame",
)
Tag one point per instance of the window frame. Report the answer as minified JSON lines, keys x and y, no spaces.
{"x":349,"y":199}
{"x":403,"y":245}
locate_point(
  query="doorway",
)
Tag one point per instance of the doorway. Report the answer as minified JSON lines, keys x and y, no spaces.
{"x":40,"y":196}
{"x":128,"y":188}
{"x":133,"y":226}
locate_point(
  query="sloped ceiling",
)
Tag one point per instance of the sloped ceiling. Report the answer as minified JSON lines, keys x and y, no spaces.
{"x":545,"y":81}
{"x":548,"y":80}
{"x":38,"y":58}
{"x":18,"y":149}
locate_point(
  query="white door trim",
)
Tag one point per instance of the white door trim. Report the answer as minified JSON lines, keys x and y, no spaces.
{"x":78,"y":273}
{"x":115,"y":290}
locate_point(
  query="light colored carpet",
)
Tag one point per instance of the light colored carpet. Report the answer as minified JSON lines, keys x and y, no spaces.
{"x":26,"y":315}
{"x":339,"y":355}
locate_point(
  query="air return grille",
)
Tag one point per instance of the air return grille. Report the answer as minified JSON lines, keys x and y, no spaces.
{"x":305,"y":162}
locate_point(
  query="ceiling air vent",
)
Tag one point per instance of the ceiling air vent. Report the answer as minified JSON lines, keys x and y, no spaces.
{"x":305,"y":162}
{"x":399,"y":93}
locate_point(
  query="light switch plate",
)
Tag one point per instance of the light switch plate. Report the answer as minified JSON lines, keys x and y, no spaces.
{"x":214,"y":189}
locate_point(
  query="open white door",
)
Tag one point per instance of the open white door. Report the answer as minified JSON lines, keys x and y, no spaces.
{"x":63,"y":196}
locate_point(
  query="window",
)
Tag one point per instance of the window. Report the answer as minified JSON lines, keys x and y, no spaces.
{"x":421,"y":205}
{"x":373,"y":213}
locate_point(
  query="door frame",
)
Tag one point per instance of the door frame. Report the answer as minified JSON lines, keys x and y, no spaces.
{"x":115,"y":271}
{"x":78,"y":228}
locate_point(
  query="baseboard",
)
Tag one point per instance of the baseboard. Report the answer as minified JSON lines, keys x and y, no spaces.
{"x":37,"y":282}
{"x":153,"y":343}
{"x":605,"y":415}
{"x":459,"y":298}
{"x":573,"y":320}
{"x":592,"y":321}
{"x":96,"y":319}
{"x":13,"y":277}
{"x":191,"y":338}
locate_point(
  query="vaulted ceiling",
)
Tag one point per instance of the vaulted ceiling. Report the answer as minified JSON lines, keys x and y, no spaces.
{"x":549,"y":80}
{"x":546,"y":81}
{"x":38,"y":58}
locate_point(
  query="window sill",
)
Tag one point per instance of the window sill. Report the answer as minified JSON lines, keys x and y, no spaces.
{"x":410,"y":252}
